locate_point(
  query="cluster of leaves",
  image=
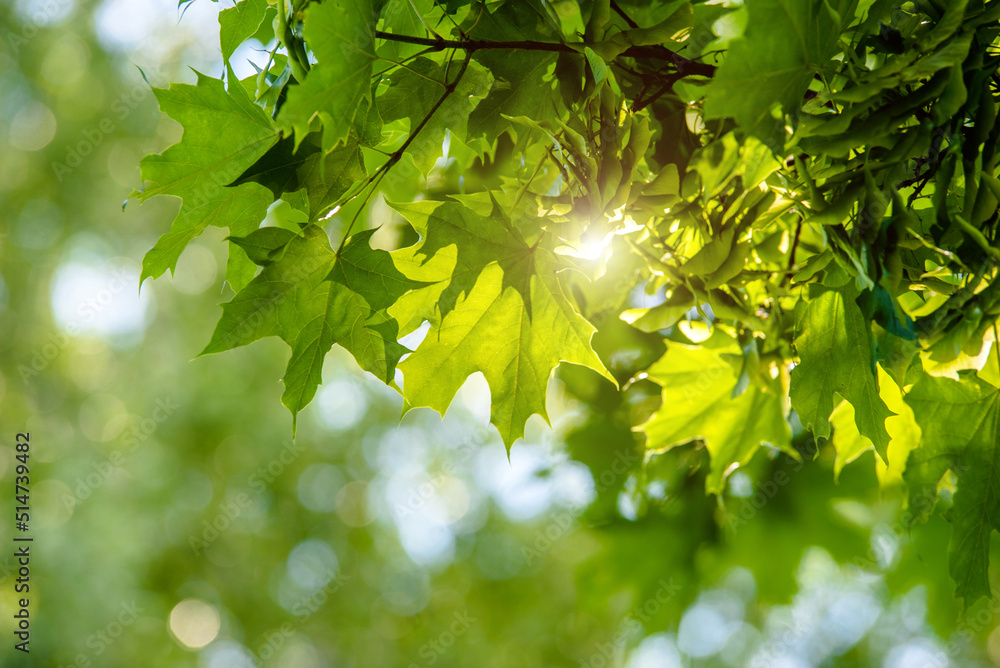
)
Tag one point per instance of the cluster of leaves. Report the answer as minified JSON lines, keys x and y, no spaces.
{"x":734,"y":224}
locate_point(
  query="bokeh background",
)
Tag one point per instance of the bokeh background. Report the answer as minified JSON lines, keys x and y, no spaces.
{"x":177,"y":523}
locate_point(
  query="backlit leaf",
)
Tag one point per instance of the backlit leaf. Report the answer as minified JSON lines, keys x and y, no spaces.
{"x":835,"y":356}
{"x":697,"y":403}
{"x":208,"y":158}
{"x":960,"y":421}
{"x":341,"y":35}
{"x":496,"y":306}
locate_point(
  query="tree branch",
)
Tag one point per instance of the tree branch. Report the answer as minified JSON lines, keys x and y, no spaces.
{"x":641,"y":104}
{"x":615,"y":6}
{"x":684,"y":66}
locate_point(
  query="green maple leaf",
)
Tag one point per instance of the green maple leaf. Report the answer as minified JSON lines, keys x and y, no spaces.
{"x":239,"y":23}
{"x":960,"y":421}
{"x":198,"y":169}
{"x":406,"y":17}
{"x":786,"y":42}
{"x":240,"y":269}
{"x":323,"y":177}
{"x":903,"y":431}
{"x":341,"y":36}
{"x":834,"y":344}
{"x":496,"y":306}
{"x":697,"y":402}
{"x":847,"y":440}
{"x":522,"y":84}
{"x":414,"y":91}
{"x":312,"y":298}
{"x":523,"y":90}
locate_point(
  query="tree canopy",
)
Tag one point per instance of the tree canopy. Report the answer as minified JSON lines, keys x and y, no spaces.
{"x":762,"y":225}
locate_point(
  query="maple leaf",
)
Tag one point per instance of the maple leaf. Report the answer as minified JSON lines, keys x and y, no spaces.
{"x":341,"y":36}
{"x":697,"y":402}
{"x":496,"y":306}
{"x":833,"y":341}
{"x":239,"y":23}
{"x":200,"y":167}
{"x":312,"y":298}
{"x":784,"y":44}
{"x":960,"y":421}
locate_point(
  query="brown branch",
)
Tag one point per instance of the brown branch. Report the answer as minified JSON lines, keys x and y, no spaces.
{"x":795,"y":246}
{"x":641,"y":104}
{"x":621,"y":13}
{"x":684,"y":66}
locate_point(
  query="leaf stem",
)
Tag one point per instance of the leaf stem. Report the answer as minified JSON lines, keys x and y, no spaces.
{"x":262,"y":75}
{"x":421,"y":18}
{"x":639,"y":105}
{"x":524,"y":188}
{"x":401,"y":63}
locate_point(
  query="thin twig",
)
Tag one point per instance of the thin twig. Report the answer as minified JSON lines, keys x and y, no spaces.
{"x":380,"y":173}
{"x":401,"y":63}
{"x":524,"y":188}
{"x":666,"y":88}
{"x":457,"y":27}
{"x":621,"y":13}
{"x":656,"y":52}
{"x":421,"y":19}
{"x":795,"y":245}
